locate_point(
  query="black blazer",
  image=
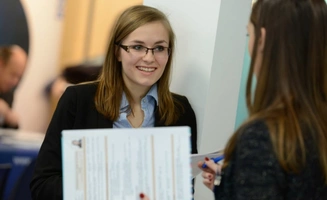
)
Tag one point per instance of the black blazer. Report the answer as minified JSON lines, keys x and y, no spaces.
{"x":76,"y":110}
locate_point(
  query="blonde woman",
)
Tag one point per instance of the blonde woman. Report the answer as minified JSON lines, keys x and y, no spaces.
{"x":131,"y":92}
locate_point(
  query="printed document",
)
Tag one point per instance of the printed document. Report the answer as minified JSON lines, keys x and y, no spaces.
{"x":119,"y":164}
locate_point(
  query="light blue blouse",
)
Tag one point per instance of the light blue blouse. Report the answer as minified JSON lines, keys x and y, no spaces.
{"x":148,"y":104}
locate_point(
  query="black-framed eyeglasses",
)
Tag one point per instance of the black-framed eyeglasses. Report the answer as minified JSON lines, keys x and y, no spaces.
{"x":139,"y":50}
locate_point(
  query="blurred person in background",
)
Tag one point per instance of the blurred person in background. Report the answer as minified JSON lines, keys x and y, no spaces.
{"x":12,"y":66}
{"x":71,"y":75}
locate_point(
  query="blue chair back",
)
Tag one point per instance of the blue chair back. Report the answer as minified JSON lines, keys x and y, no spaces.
{"x":4,"y":172}
{"x":21,"y":190}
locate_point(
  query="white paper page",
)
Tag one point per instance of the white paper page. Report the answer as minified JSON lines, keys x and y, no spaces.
{"x":119,"y":164}
{"x":195,"y":158}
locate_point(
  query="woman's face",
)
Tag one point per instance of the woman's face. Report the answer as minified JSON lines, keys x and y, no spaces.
{"x":251,"y":34}
{"x":141,"y":67}
{"x":259,"y":53}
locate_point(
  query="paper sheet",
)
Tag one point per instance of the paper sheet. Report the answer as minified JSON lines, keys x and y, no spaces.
{"x":118,"y":164}
{"x":195,"y":158}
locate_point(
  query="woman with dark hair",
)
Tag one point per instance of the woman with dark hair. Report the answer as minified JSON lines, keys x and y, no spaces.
{"x":280,"y":151}
{"x":132,"y":91}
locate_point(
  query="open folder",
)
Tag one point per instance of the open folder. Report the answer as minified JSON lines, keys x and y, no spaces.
{"x":117,"y":164}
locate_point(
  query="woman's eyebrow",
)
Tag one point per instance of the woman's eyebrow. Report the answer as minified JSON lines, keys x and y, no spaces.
{"x":161,"y":41}
{"x":141,"y":42}
{"x":137,"y":41}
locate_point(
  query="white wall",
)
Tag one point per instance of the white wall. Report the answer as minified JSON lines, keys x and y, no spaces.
{"x":195,"y":26}
{"x":211,"y":37}
{"x":221,"y":109}
{"x":44,"y":20}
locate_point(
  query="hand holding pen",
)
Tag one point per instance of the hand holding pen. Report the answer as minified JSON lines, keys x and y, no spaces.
{"x":215,"y":160}
{"x":209,"y":170}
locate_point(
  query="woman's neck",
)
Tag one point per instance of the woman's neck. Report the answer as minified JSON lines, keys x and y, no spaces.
{"x":137,"y":93}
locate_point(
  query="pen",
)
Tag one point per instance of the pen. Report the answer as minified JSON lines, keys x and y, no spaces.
{"x":215,"y":160}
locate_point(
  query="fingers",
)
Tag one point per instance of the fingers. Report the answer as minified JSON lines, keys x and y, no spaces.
{"x":200,"y":164}
{"x":211,"y":165}
{"x":209,"y":173}
{"x":209,"y":183}
{"x":144,"y":197}
{"x":208,"y":179}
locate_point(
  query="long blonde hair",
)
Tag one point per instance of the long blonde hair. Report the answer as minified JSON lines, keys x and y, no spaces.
{"x":111,"y":84}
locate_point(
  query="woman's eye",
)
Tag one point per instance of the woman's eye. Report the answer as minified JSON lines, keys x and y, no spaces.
{"x":159,"y":48}
{"x":137,"y":47}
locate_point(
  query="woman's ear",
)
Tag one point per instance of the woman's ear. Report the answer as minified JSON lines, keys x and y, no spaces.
{"x":262,"y":40}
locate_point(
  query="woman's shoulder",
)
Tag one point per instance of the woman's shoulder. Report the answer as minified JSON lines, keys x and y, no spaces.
{"x":180,"y":99}
{"x":83,"y":88}
{"x":182,"y":102}
{"x":254,"y":129}
{"x":254,"y":135}
{"x":81,"y":92}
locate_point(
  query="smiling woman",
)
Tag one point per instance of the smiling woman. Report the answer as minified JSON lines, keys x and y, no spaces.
{"x":140,"y":69}
{"x":132,"y":91}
